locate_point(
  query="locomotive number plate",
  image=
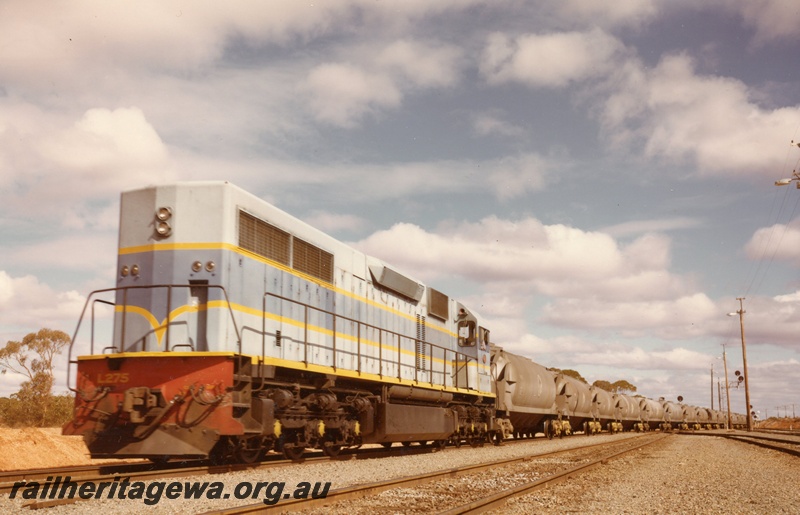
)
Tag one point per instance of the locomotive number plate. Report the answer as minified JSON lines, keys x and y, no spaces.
{"x":112,"y":377}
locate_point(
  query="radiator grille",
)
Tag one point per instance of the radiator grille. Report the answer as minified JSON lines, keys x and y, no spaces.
{"x":312,"y":260}
{"x":272,"y":243}
{"x":263,"y":239}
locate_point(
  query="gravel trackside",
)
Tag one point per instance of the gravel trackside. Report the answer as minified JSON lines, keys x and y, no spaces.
{"x":681,"y":475}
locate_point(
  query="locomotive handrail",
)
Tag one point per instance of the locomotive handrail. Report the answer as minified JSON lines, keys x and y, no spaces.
{"x":458,"y":364}
{"x":167,"y":322}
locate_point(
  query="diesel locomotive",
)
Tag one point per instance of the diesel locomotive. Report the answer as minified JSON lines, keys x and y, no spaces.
{"x":239,"y":330}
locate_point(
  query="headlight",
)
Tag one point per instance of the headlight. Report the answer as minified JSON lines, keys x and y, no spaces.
{"x":124,"y":272}
{"x":197,"y":266}
{"x":210,"y":266}
{"x":164,"y":213}
{"x":163,"y":229}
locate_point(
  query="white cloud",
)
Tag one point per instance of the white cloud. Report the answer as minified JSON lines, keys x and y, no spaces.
{"x":26,"y":302}
{"x":773,"y":20}
{"x":549,"y":60}
{"x":594,"y":281}
{"x":686,"y":316}
{"x":329,"y":222}
{"x":51,"y":41}
{"x":780,"y":241}
{"x":59,"y":167}
{"x":493,"y":124}
{"x":424,"y":65}
{"x":655,"y":225}
{"x":88,"y":251}
{"x":343,"y":94}
{"x":607,"y":14}
{"x":680,"y":116}
{"x":105,"y":146}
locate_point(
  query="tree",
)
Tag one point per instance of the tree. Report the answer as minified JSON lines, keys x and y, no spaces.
{"x":623,"y":386}
{"x":33,"y":358}
{"x":604,"y":385}
{"x":573,"y":374}
{"x":620,"y":386}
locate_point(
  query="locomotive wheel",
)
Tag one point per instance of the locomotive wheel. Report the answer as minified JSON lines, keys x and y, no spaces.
{"x":386,"y":445}
{"x":247,"y":456}
{"x":292,"y":452}
{"x":331,"y":450}
{"x":440,"y":444}
{"x":406,"y":444}
{"x":243,"y":454}
{"x":423,"y":443}
{"x":457,"y":442}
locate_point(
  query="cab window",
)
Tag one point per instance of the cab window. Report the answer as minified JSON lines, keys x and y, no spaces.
{"x":466,"y":333}
{"x":483,"y":334}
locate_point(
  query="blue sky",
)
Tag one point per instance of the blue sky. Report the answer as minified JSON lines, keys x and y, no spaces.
{"x":595,"y":178}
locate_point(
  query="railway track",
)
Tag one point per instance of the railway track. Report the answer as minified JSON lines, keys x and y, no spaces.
{"x":486,"y":484}
{"x":147,"y":471}
{"x":789,"y":444}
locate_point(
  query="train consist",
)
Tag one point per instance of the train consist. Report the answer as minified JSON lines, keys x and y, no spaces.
{"x":239,"y":330}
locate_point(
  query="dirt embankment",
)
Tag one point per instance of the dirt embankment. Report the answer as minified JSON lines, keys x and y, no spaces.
{"x":33,"y":448}
{"x":779,"y":423}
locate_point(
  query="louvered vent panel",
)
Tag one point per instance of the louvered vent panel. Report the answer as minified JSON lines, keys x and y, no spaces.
{"x":263,"y":239}
{"x":312,"y":260}
{"x":438,"y":304}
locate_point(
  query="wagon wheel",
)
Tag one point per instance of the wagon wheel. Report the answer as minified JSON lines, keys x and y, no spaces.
{"x":293,"y":452}
{"x":457,"y":442}
{"x":440,"y":444}
{"x":548,"y":429}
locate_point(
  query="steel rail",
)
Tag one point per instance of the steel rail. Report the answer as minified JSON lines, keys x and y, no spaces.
{"x":145,"y":471}
{"x":774,"y":442}
{"x":500,"y":498}
{"x":365,"y":490}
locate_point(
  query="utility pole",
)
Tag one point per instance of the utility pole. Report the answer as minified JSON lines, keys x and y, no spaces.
{"x":741,"y":313}
{"x":712,"y":385}
{"x":727,"y":387}
{"x":744,"y":364}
